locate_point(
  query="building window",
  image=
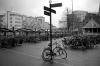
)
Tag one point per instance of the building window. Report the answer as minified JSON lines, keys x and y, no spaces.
{"x":11,"y":18}
{"x":10,"y":25}
{"x":17,"y":22}
{"x":17,"y":25}
{"x":18,"y":18}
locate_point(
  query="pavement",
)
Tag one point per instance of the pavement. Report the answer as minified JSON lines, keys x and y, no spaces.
{"x":26,"y":55}
{"x":9,"y":58}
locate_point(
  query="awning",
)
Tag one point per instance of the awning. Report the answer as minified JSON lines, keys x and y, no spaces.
{"x":25,"y":30}
{"x":5,"y":30}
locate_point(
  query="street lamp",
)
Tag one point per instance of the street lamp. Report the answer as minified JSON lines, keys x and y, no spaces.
{"x":72,"y":16}
{"x":72,"y":6}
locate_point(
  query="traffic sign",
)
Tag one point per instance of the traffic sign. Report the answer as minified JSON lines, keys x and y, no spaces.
{"x":47,"y":13}
{"x":48,"y":9}
{"x":56,"y":5}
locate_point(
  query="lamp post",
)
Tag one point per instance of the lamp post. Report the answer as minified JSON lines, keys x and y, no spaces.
{"x":72,"y":6}
{"x":72,"y":17}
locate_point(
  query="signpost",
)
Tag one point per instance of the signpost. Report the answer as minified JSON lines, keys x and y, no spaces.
{"x":56,"y":5}
{"x":48,"y":11}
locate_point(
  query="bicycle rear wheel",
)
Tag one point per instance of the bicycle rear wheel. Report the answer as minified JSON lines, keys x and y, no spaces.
{"x":60,"y":52}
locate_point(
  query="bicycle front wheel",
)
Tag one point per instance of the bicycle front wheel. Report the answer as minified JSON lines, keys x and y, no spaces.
{"x":46,"y":55}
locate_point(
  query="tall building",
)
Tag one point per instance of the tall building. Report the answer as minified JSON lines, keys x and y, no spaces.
{"x":13,"y":19}
{"x":75,"y":20}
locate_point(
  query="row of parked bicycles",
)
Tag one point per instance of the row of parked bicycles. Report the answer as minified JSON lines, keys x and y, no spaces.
{"x":76,"y":42}
{"x":82,"y":41}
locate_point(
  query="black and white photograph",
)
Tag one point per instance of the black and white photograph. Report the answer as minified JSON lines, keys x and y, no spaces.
{"x":49,"y":32}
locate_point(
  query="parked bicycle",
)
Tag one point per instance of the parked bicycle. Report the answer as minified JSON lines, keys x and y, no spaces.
{"x":49,"y":54}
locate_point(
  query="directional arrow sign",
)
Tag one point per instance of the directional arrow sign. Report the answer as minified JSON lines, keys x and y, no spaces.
{"x":47,"y":13}
{"x":48,"y":9}
{"x":56,"y":5}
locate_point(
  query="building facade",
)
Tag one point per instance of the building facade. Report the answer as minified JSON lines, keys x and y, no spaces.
{"x":80,"y":15}
{"x":75,"y":20}
{"x":14,"y":20}
{"x":2,"y":22}
{"x":40,"y":22}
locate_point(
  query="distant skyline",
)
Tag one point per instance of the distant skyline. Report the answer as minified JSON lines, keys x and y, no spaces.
{"x":35,"y":7}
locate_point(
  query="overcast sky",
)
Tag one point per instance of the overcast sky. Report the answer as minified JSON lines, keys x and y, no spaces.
{"x":35,"y":7}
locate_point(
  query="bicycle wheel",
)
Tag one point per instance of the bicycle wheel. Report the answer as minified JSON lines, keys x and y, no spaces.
{"x":60,"y":52}
{"x":46,"y":55}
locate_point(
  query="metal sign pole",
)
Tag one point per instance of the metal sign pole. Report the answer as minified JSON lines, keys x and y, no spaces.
{"x":50,"y":29}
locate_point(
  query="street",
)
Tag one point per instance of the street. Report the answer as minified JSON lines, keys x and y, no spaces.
{"x":29,"y":54}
